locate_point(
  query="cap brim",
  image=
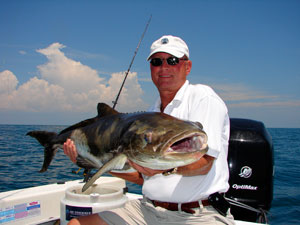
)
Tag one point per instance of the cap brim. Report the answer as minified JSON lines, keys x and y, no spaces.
{"x":171,"y":52}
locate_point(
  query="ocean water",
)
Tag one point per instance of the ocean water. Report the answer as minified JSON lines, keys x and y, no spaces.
{"x":21,"y":158}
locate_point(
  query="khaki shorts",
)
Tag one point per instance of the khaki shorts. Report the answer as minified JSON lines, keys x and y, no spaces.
{"x":143,"y":212}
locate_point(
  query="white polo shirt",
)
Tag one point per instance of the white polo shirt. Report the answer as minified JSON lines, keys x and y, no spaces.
{"x":195,"y":103}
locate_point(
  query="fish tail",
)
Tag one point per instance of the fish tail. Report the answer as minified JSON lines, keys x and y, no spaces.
{"x":45,"y":139}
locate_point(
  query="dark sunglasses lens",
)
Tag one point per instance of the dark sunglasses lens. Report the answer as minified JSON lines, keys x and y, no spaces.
{"x":172,"y":61}
{"x":156,"y":62}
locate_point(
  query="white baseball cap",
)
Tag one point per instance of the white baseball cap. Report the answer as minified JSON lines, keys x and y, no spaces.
{"x":169,"y":44}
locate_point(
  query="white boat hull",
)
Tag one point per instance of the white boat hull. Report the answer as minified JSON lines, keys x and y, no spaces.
{"x":41,"y":204}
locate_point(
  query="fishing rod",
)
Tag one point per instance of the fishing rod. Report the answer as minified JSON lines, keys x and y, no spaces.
{"x":87,"y":172}
{"x":136,"y":50}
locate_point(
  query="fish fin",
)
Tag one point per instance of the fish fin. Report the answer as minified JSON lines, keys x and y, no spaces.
{"x":85,"y":163}
{"x":105,"y":110}
{"x":49,"y":153}
{"x":45,"y":139}
{"x":115,"y":163}
{"x":102,"y":110}
{"x":126,"y":169}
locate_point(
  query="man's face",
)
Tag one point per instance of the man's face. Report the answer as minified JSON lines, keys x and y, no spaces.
{"x":169,"y":77}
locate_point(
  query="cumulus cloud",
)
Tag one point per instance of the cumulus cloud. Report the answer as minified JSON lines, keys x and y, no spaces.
{"x":67,"y":85}
{"x":8,"y":82}
{"x":70,"y":74}
{"x":241,"y":96}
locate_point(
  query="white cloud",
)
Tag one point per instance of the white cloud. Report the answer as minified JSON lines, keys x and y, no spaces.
{"x":241,"y":96}
{"x":8,"y":82}
{"x":67,"y":85}
{"x":70,"y":74}
{"x":131,"y":86}
{"x":145,"y":79}
{"x":289,"y":103}
{"x":240,"y":92}
{"x":38,"y":95}
{"x":78,"y":54}
{"x":22,"y":52}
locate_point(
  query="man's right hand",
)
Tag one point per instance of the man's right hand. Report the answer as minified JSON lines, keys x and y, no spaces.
{"x":70,"y":150}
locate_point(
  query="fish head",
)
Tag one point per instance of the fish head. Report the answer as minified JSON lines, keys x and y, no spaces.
{"x":160,"y":141}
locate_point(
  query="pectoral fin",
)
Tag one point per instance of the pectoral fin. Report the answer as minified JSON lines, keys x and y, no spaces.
{"x":117,"y":162}
{"x":85,"y":163}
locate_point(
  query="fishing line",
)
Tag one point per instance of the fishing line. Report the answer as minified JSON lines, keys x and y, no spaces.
{"x":136,"y":50}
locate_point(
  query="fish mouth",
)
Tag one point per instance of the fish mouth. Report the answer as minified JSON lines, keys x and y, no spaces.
{"x":187,"y":143}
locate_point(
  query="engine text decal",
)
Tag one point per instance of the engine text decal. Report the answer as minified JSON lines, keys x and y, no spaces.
{"x":244,"y":187}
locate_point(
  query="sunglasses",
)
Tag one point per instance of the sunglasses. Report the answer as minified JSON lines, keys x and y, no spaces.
{"x":171,"y":61}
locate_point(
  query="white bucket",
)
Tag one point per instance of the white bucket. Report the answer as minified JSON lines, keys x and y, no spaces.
{"x":96,"y":199}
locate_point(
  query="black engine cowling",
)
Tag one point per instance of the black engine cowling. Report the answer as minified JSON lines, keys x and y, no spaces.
{"x":251,"y":166}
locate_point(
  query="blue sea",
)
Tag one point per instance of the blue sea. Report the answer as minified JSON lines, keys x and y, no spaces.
{"x":21,"y":158}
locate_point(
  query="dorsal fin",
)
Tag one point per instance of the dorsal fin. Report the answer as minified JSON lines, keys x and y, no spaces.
{"x":105,"y":110}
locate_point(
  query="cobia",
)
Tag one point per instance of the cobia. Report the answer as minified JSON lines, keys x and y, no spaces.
{"x":105,"y":142}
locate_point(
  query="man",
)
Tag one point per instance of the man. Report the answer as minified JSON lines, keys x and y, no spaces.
{"x":181,"y":197}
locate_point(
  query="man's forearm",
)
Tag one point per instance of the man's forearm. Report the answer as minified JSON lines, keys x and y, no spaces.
{"x":134,"y":177}
{"x":201,"y":167}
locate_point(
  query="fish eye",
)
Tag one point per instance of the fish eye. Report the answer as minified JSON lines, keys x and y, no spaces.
{"x":148,"y":137}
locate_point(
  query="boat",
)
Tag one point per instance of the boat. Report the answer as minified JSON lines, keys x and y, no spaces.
{"x":251,"y":166}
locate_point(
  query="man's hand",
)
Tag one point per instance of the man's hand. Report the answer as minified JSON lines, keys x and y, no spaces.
{"x":70,"y":150}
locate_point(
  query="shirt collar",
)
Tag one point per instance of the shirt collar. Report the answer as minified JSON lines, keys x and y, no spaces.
{"x":177,"y":99}
{"x":181,"y":91}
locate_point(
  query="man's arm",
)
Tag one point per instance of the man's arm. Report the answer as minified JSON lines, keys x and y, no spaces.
{"x":134,"y":177}
{"x":200,"y":167}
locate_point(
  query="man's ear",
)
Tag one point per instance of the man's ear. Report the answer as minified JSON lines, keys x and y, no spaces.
{"x":188,"y":66}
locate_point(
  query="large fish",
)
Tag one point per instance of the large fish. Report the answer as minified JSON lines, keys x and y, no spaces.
{"x":105,"y":142}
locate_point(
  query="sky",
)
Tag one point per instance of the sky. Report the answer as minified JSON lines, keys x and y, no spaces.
{"x":59,"y":58}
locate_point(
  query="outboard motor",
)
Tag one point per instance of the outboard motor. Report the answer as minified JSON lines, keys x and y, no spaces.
{"x":251,"y":168}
